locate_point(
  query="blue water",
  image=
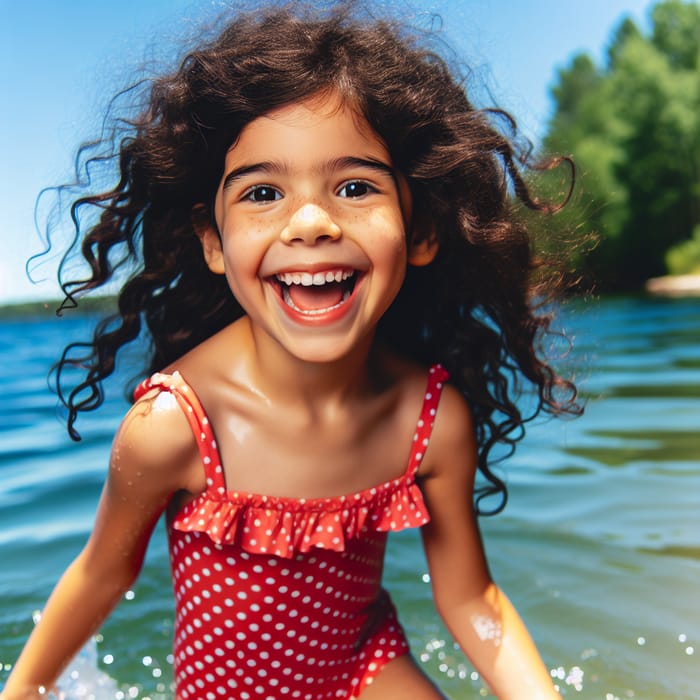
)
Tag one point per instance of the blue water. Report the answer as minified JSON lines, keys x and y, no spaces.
{"x":599,"y":546}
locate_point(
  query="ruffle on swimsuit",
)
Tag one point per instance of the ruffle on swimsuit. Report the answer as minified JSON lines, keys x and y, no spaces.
{"x":288,"y":526}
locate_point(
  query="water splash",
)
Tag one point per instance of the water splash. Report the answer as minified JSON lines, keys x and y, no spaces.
{"x":83,"y":680}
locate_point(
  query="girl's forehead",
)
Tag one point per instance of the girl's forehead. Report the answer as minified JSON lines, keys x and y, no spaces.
{"x":319,"y":107}
{"x":326,"y":122}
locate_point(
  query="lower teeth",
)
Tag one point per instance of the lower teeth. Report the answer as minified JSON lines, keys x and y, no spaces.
{"x":286,"y":296}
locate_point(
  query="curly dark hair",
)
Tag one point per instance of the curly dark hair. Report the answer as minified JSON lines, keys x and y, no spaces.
{"x":478,"y":308}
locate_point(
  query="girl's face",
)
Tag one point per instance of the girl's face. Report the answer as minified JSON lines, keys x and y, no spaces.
{"x":313,"y":222}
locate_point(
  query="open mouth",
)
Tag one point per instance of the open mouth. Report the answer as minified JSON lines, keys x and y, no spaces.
{"x":315,"y":293}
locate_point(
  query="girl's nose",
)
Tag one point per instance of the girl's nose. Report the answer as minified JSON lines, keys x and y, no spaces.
{"x":309,"y":225}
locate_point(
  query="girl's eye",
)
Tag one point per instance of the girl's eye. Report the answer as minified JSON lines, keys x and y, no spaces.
{"x":356,"y":188}
{"x":262,"y":193}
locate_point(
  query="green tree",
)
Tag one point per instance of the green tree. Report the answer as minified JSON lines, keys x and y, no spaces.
{"x":684,"y":258}
{"x":633,"y":127}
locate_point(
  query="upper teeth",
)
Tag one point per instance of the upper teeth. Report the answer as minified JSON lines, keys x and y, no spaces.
{"x":307,"y":279}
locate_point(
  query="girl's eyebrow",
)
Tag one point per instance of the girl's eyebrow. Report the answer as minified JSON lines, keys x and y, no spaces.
{"x":242,"y":171}
{"x":355,"y":162}
{"x":335,"y":164}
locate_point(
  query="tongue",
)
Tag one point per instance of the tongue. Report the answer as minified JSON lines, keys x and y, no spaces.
{"x":316,"y":297}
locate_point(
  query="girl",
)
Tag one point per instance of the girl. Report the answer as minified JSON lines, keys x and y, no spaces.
{"x":319,"y":228}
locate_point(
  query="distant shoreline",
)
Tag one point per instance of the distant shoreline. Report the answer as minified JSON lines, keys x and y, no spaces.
{"x":674,"y":285}
{"x":49,"y":307}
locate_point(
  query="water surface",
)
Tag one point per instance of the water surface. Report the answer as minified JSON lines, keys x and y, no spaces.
{"x":599,"y":546}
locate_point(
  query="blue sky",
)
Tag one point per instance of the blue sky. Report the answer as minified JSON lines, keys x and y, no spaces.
{"x":60,"y":62}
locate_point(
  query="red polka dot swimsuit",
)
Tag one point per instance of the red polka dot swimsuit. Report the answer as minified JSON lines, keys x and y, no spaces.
{"x":281,"y":598}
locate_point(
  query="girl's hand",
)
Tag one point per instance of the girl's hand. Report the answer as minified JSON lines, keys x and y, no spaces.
{"x":32,"y":693}
{"x":144,"y":473}
{"x":475,"y":610}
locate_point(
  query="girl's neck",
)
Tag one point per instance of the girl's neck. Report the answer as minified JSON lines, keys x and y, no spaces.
{"x":283,"y":377}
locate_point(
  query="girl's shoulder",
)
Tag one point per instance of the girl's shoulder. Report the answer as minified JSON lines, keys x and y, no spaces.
{"x":412,"y":379}
{"x":156,"y":441}
{"x":413,"y":382}
{"x":452,"y":435}
{"x":159,"y":430}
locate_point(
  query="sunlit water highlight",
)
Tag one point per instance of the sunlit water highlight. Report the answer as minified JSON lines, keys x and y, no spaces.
{"x":599,"y":546}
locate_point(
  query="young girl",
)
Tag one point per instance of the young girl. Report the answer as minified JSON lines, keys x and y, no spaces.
{"x":327,"y":262}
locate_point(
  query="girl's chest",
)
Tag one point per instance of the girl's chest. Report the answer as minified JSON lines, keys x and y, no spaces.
{"x":279,"y":455}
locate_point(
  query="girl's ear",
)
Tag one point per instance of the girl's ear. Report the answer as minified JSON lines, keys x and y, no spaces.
{"x":209,"y":238}
{"x":423,"y":249}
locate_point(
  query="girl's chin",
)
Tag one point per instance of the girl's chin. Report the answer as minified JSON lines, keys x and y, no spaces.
{"x":323,"y":349}
{"x":318,"y":345}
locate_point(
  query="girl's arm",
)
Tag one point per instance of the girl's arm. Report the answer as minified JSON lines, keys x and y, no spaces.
{"x":145,"y":470}
{"x":477,"y":613}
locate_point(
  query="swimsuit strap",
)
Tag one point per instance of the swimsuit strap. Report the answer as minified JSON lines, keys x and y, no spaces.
{"x":437,"y":375}
{"x":198,"y":420}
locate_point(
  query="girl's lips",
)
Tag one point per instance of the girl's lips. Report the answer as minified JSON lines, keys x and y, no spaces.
{"x":316,"y":297}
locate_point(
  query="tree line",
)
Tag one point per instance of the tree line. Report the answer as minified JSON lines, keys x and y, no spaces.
{"x":632,"y":126}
